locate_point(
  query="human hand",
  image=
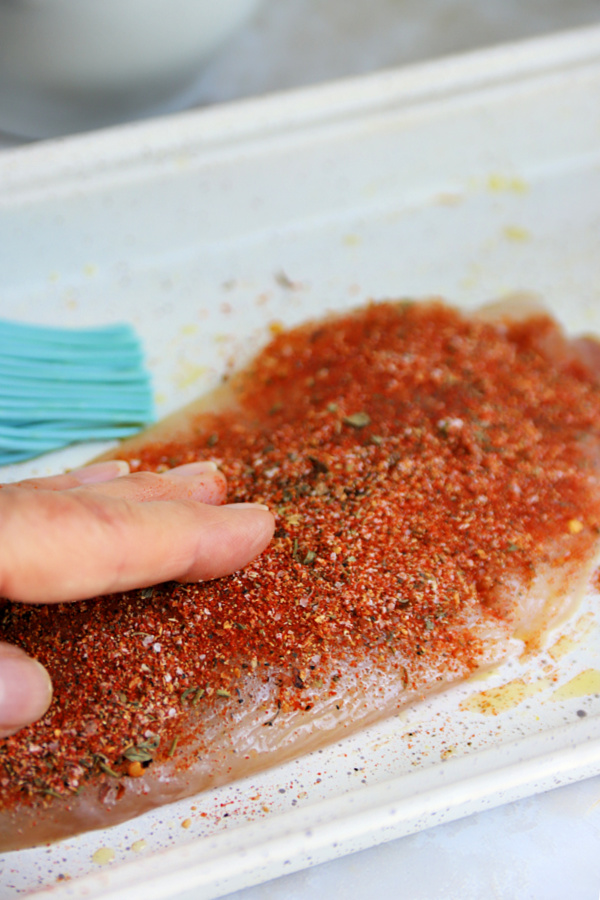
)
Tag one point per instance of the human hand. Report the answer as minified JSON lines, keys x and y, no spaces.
{"x":98,"y":530}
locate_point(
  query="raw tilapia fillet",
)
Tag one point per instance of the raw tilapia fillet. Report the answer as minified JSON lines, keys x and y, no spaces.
{"x":435,"y":480}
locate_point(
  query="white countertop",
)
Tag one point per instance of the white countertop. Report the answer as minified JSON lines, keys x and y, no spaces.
{"x":544,"y":847}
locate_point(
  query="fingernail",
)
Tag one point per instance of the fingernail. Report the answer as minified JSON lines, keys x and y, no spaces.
{"x":246,"y":506}
{"x":25,"y":689}
{"x":102,"y":471}
{"x":188,"y":470}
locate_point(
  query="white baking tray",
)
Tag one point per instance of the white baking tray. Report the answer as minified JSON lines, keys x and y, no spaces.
{"x":471,"y":178}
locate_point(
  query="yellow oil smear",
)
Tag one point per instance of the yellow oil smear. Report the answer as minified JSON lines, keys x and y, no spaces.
{"x":449,"y":199}
{"x":103,"y":856}
{"x":516,"y":233}
{"x":182,"y":161}
{"x":138,"y":846}
{"x":190,"y":329}
{"x":507,"y":696}
{"x":472,"y":276}
{"x":499,"y":183}
{"x":583,"y":685}
{"x":566,"y":643}
{"x":483,"y":675}
{"x":188,"y":374}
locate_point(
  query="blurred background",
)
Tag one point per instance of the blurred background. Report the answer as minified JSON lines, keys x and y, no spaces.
{"x":291,"y":43}
{"x":298,"y":42}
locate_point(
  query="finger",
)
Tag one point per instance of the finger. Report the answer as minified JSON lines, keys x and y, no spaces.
{"x":25,"y":690}
{"x":239,"y":531}
{"x":69,"y":545}
{"x":210,"y":488}
{"x":92,"y":474}
{"x":199,"y":481}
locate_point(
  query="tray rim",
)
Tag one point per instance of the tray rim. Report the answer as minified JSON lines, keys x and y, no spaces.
{"x":370,"y":815}
{"x":33,"y":167}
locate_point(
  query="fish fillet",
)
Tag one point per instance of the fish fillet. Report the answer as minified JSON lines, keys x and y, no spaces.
{"x":435,"y":481}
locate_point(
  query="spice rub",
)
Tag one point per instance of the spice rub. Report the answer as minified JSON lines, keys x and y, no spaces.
{"x":435,"y":479}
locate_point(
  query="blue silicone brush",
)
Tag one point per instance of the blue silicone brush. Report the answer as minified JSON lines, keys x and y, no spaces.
{"x":59,"y":386}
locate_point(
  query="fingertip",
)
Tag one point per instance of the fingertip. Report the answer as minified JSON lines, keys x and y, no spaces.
{"x":252,"y":528}
{"x":97,"y":473}
{"x":188,"y":470}
{"x":250,"y":525}
{"x":258,"y":515}
{"x":247,"y":506}
{"x":25,"y":689}
{"x":201,"y":481}
{"x":238,"y":533}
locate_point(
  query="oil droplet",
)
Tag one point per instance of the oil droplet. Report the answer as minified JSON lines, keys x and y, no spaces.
{"x":188,"y":374}
{"x":566,"y":643}
{"x":516,"y":233}
{"x":503,"y":698}
{"x":186,"y":823}
{"x":182,"y":160}
{"x":499,"y":183}
{"x":138,"y":846}
{"x":582,"y":685}
{"x":449,"y":199}
{"x":484,"y":675}
{"x":103,"y":856}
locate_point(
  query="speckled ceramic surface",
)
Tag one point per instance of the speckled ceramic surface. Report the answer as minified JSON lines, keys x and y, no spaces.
{"x":471,"y":178}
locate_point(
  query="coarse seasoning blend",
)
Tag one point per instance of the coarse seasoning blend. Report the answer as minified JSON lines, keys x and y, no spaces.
{"x":428,"y":471}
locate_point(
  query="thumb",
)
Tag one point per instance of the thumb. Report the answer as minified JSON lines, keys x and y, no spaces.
{"x":25,"y":689}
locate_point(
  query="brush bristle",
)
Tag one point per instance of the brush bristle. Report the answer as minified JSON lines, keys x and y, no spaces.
{"x":60,"y":386}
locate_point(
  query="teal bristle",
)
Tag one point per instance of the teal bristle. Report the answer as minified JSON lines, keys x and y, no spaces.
{"x":60,"y":386}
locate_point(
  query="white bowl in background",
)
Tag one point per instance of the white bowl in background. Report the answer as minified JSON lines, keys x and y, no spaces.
{"x":76,"y":65}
